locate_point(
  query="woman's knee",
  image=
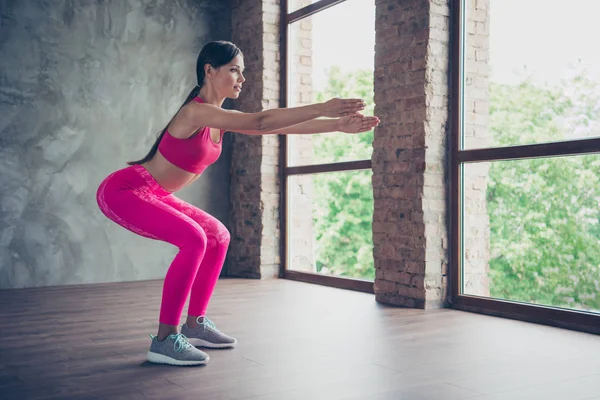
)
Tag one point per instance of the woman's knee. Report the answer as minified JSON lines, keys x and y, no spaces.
{"x":219,"y":236}
{"x":225,"y":236}
{"x":195,"y":237}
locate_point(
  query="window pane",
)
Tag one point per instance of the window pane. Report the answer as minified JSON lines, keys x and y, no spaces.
{"x":339,"y":64}
{"x":530,"y":83}
{"x":532,"y":232}
{"x":329,"y":224}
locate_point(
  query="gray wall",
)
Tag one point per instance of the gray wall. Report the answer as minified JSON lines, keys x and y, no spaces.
{"x":84,"y":87}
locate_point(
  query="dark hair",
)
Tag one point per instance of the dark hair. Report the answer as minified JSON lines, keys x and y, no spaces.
{"x":216,"y":54}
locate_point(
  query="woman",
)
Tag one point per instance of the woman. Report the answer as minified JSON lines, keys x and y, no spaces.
{"x":140,"y":197}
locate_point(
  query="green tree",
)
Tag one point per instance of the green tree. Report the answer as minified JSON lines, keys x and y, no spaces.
{"x":343,"y":201}
{"x":545,"y":242}
{"x":544,"y":213}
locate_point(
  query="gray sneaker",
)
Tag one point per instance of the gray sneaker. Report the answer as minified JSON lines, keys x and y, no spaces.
{"x":206,"y":334}
{"x":175,"y":350}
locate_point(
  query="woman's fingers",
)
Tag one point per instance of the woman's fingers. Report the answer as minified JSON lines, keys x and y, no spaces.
{"x":353,"y":105}
{"x":370,"y":121}
{"x":354,"y":102}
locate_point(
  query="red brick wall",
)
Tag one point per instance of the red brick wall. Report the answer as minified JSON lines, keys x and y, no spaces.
{"x":411,"y":147}
{"x":409,"y":157}
{"x":410,"y":176}
{"x":254,"y":205}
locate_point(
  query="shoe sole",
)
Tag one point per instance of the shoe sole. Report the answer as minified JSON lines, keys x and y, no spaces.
{"x":162,"y":359}
{"x":204,"y":343}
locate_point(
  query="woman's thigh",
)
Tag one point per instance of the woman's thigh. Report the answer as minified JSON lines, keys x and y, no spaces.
{"x":214,"y":229}
{"x":145,"y":213}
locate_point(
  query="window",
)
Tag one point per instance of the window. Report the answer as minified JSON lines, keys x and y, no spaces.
{"x":525,"y":160}
{"x":328,"y":198}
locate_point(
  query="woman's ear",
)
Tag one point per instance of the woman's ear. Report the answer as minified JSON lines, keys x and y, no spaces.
{"x":208,"y":71}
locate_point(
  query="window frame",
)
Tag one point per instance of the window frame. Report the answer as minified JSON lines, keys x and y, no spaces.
{"x":285,"y":171}
{"x":547,"y":315}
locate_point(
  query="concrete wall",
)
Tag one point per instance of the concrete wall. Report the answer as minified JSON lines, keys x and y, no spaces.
{"x":84,"y":87}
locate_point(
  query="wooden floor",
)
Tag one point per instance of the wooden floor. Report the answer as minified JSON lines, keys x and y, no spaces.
{"x":296,"y":341}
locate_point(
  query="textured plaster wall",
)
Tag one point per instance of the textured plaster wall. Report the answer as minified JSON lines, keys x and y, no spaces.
{"x":84,"y":87}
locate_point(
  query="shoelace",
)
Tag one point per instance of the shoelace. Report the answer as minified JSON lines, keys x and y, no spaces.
{"x":207,"y":322}
{"x":181,"y":342}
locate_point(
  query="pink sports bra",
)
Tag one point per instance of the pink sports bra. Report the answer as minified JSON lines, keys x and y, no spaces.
{"x":192,"y":154}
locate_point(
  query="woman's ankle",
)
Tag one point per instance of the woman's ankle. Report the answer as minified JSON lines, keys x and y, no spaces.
{"x":165,"y":330}
{"x":192,"y":321}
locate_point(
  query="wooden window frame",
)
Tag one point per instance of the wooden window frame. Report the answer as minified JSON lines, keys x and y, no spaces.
{"x":285,"y":171}
{"x":572,"y":319}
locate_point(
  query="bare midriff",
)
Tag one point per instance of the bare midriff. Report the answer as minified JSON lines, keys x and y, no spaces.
{"x":170,"y":177}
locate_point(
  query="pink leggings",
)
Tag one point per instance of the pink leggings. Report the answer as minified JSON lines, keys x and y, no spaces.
{"x":132,"y":198}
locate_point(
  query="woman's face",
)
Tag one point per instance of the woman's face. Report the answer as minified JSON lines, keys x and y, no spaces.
{"x":229,"y":78}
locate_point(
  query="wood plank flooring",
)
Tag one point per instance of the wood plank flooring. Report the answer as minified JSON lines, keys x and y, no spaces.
{"x":296,"y":341}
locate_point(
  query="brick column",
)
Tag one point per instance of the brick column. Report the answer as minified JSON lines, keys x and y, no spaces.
{"x":410,"y":151}
{"x":254,"y":206}
{"x":477,"y":135}
{"x":300,"y":147}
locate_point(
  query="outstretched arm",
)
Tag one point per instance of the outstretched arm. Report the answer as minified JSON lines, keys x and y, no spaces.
{"x":265,"y":121}
{"x":350,"y":124}
{"x":355,"y":123}
{"x":308,"y":127}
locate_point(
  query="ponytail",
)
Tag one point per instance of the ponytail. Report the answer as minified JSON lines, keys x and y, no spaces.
{"x":195,"y":91}
{"x":215,"y":54}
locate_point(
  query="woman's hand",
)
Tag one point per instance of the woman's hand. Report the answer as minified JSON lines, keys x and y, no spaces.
{"x":340,"y":107}
{"x":357,"y":123}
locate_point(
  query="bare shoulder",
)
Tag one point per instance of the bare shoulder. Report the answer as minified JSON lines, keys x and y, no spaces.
{"x":202,"y":114}
{"x":183,"y":125}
